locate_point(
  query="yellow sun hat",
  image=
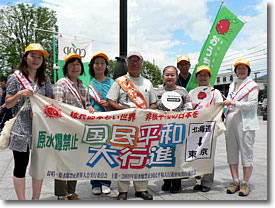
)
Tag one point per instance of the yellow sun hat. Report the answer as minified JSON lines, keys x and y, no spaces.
{"x":72,"y":55}
{"x":36,"y":47}
{"x":183,"y":58}
{"x":100,"y":54}
{"x":203,"y":68}
{"x":242,"y":61}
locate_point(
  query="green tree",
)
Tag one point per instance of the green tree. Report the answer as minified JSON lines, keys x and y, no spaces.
{"x":18,"y":28}
{"x":111,"y":67}
{"x":265,"y":91}
{"x":149,"y":71}
{"x":152,"y":72}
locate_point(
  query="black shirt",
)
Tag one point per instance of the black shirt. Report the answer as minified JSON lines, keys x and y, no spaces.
{"x":183,"y":82}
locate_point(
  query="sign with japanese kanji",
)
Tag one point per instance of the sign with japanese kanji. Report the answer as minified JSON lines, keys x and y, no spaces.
{"x":199,"y":141}
{"x":171,"y":99}
{"x":225,"y":28}
{"x":70,"y":143}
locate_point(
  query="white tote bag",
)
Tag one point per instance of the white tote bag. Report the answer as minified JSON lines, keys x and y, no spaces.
{"x":6,"y":131}
{"x":5,"y":134}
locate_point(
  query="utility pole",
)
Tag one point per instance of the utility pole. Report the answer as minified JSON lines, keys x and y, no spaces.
{"x":256,"y":75}
{"x":55,"y":67}
{"x":121,"y":67}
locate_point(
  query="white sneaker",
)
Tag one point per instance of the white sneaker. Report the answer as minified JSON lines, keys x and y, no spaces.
{"x":96,"y":190}
{"x":106,"y":189}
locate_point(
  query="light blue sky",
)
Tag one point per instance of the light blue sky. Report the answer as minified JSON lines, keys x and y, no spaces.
{"x":162,"y":30}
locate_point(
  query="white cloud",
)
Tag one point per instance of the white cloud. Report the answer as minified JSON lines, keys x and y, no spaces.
{"x":91,"y":20}
{"x":251,"y":42}
{"x":255,"y":28}
{"x":151,"y":25}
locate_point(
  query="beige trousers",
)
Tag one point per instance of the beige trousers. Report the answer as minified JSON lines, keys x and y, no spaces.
{"x":123,"y":186}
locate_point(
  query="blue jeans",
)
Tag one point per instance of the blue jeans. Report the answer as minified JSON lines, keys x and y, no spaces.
{"x":99,"y":183}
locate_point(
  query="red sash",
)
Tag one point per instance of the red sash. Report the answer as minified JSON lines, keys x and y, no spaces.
{"x":95,"y":95}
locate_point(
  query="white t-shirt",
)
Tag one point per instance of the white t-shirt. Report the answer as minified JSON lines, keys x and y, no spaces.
{"x":217,"y":96}
{"x":116,"y":93}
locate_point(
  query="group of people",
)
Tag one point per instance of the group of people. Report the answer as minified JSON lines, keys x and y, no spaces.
{"x":106,"y":94}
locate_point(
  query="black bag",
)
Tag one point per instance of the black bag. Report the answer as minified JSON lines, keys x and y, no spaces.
{"x":5,"y":116}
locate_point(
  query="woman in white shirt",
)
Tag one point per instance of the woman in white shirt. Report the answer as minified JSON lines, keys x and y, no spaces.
{"x":204,"y":96}
{"x":241,"y":123}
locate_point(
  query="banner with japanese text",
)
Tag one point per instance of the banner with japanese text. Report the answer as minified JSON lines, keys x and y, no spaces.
{"x":224,"y":30}
{"x":70,"y":143}
{"x":80,"y":47}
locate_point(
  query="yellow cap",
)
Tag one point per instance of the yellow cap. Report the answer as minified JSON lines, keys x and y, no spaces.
{"x":183,"y":58}
{"x":101,"y":54}
{"x":203,"y":68}
{"x":242,"y":61}
{"x":72,"y":55}
{"x":36,"y":47}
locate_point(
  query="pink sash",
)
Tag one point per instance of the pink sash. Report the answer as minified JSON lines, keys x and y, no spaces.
{"x":243,"y":91}
{"x":23,"y":80}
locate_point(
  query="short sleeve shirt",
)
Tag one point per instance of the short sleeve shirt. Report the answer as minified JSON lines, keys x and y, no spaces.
{"x":185,"y":99}
{"x":102,"y":88}
{"x":116,"y":93}
{"x":21,"y":133}
{"x":217,"y":96}
{"x":61,"y":92}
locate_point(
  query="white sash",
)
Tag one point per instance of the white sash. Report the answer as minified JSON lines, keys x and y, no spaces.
{"x":72,"y":89}
{"x":23,"y":80}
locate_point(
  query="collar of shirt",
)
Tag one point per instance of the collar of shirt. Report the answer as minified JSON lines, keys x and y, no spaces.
{"x":79,"y":81}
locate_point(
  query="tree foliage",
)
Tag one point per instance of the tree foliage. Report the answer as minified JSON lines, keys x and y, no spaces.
{"x":152,"y":72}
{"x":18,"y":28}
{"x":149,"y":71}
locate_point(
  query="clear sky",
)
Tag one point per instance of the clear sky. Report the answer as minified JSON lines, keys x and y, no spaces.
{"x":162,"y":29}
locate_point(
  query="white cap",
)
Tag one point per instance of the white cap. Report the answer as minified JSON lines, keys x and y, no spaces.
{"x":134,"y":53}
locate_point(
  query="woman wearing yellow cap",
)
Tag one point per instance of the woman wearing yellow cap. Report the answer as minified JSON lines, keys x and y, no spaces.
{"x":29,"y":78}
{"x":170,"y":76}
{"x":204,"y":96}
{"x":71,"y":90}
{"x":241,"y":123}
{"x":98,"y":89}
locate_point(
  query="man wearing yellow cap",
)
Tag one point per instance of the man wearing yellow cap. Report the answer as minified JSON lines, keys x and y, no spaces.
{"x":183,"y":64}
